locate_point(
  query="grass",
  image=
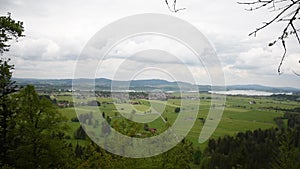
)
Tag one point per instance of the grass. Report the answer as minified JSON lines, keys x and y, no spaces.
{"x":238,"y":116}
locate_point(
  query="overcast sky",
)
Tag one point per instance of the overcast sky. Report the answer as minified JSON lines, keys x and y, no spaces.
{"x":57,"y":31}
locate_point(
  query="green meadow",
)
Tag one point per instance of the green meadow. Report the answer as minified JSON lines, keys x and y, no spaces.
{"x":238,"y":116}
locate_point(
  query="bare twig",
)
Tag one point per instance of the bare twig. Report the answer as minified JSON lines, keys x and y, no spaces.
{"x":173,"y":8}
{"x":270,"y":22}
{"x":288,"y":12}
{"x":285,"y":35}
{"x":282,"y":58}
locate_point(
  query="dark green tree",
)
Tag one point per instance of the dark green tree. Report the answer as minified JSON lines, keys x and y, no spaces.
{"x":96,"y":157}
{"x":79,"y":150}
{"x":80,"y":133}
{"x":7,"y":113}
{"x":197,"y":156}
{"x":177,"y":110}
{"x":9,"y":29}
{"x":286,"y":157}
{"x":39,"y":133}
{"x":250,"y":149}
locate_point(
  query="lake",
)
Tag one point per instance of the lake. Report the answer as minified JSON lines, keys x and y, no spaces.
{"x":247,"y":93}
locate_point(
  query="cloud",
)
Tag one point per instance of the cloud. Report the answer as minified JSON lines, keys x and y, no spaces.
{"x":57,"y":31}
{"x":43,"y":50}
{"x":257,"y":59}
{"x":43,"y":69}
{"x":291,"y":65}
{"x":133,"y":46}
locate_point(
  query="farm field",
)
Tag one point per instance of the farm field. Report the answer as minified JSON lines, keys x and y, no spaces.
{"x":241,"y":113}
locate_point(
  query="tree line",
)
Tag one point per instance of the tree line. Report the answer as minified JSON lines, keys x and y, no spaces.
{"x":276,"y":148}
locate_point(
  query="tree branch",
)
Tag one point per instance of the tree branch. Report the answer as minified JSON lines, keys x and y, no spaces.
{"x":288,"y":12}
{"x":172,"y":7}
{"x":270,"y":22}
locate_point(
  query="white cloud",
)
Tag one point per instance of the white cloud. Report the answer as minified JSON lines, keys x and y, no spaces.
{"x":56,"y":32}
{"x":257,"y":59}
{"x":43,"y":69}
{"x":43,"y":49}
{"x":292,"y":64}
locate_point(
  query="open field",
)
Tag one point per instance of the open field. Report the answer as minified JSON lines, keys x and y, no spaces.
{"x":239,"y":115}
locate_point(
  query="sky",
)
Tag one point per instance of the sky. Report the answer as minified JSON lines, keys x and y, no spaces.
{"x":58,"y":31}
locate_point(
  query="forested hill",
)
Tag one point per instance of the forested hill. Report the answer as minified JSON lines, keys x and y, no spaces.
{"x":151,"y":84}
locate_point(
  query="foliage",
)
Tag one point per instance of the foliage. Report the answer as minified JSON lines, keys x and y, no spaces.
{"x":177,"y":110}
{"x":286,"y":157}
{"x":197,"y":156}
{"x":75,"y":119}
{"x":276,"y":148}
{"x":39,"y":133}
{"x":249,"y":150}
{"x":7,"y":113}
{"x":9,"y":29}
{"x":180,"y":157}
{"x":80,"y":133}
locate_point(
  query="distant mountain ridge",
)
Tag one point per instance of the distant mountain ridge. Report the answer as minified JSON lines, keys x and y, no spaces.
{"x":149,"y":84}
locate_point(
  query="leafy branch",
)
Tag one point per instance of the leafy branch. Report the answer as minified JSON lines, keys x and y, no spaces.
{"x":9,"y":29}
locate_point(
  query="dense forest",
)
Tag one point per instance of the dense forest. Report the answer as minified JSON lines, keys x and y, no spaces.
{"x":271,"y":148}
